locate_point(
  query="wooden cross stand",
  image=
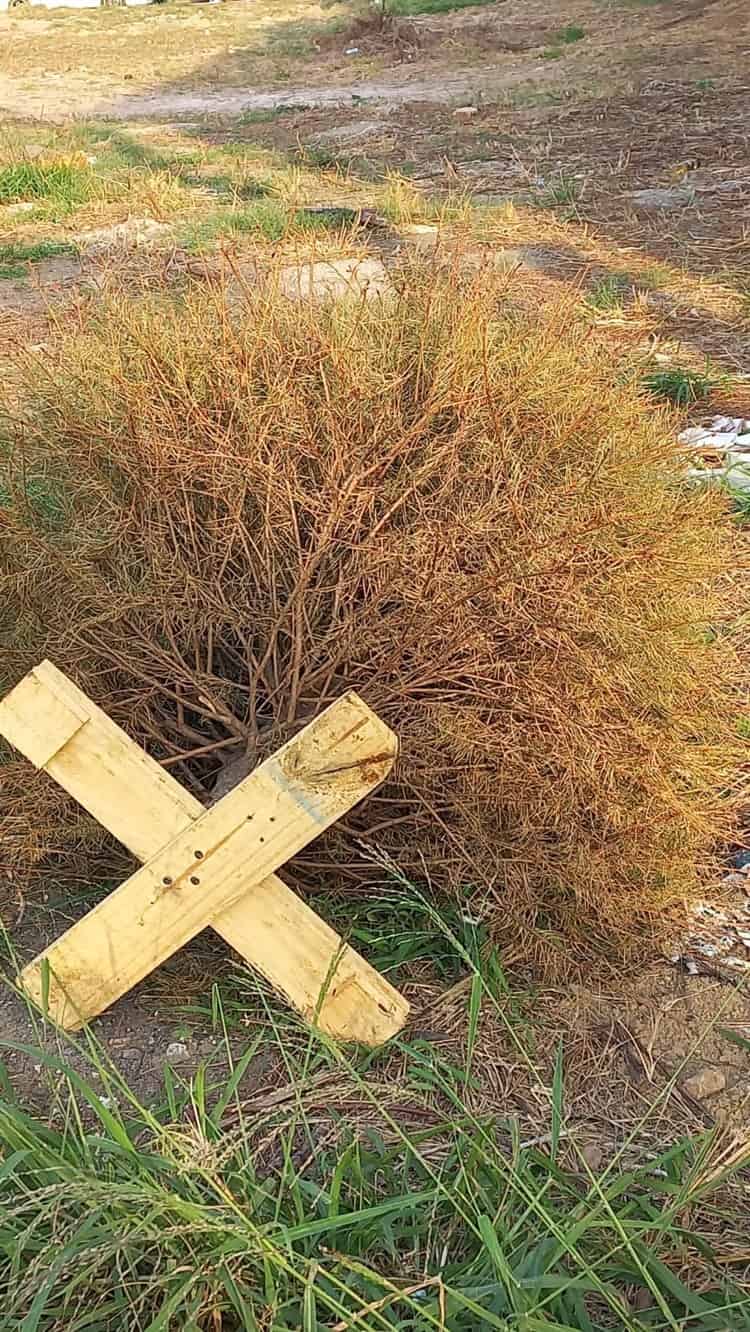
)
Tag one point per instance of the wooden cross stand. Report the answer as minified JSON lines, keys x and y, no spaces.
{"x":205,"y":866}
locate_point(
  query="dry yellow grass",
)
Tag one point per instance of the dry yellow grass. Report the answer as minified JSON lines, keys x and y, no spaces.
{"x":218,"y":521}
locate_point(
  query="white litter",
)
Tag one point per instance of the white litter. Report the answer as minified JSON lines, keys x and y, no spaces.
{"x":718,"y":937}
{"x":723,"y":444}
{"x":735,"y":472}
{"x":724,"y":434}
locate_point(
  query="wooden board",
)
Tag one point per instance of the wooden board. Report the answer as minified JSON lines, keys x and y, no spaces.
{"x":126,"y":790}
{"x":39,"y":722}
{"x":321,"y":976}
{"x":302,"y":789}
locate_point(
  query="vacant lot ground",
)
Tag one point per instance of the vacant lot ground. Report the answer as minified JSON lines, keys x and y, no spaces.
{"x":596,"y":151}
{"x":609,"y":141}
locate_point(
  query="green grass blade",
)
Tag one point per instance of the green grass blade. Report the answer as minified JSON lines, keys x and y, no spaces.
{"x":557,"y":1103}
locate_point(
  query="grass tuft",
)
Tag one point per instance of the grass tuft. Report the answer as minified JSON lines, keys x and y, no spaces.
{"x":242,"y":189}
{"x":680,"y":386}
{"x":653,"y":277}
{"x":327,"y":1206}
{"x":609,"y":292}
{"x":406,"y":8}
{"x":266,"y":218}
{"x":330,"y":219}
{"x":563,"y":191}
{"x":571,"y":33}
{"x":16,"y":257}
{"x":64,"y":183}
{"x":263,"y":115}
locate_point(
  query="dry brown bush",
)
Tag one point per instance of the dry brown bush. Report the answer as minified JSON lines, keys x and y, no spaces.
{"x":218,"y":524}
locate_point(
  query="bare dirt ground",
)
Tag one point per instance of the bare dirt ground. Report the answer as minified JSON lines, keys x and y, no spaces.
{"x":624,"y":152}
{"x":182,"y":59}
{"x":563,"y":139}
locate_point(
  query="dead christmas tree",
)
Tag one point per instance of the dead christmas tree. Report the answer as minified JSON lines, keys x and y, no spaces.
{"x":219,"y":521}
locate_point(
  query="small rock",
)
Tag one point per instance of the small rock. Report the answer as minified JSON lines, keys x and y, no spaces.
{"x":724,"y":434}
{"x":136,"y":233}
{"x":706,"y":1082}
{"x":357,"y":129}
{"x":336,"y":279}
{"x":465,"y":112}
{"x":663,"y":199}
{"x":509,"y":258}
{"x":642,"y":1300}
{"x":741,"y":860}
{"x":421,"y":236}
{"x":176,"y":1050}
{"x":15,"y":209}
{"x":593,"y":1155}
{"x":735,"y":880}
{"x":737,"y":471}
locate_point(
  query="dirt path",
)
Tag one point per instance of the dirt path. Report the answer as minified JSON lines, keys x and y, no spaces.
{"x":19,"y":99}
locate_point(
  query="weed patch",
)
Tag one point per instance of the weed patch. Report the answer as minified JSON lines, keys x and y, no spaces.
{"x":266,"y":219}
{"x":679,"y":386}
{"x":221,"y":1205}
{"x":571,"y":33}
{"x":116,"y":149}
{"x":609,"y":292}
{"x":244,"y":189}
{"x":60,"y":182}
{"x":653,"y":277}
{"x":263,"y":115}
{"x":16,"y":257}
{"x":404,"y":8}
{"x":330,"y":219}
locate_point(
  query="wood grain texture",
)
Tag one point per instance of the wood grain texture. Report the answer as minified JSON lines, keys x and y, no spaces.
{"x":320,"y":975}
{"x":101,"y":767}
{"x":38,"y":722}
{"x":302,"y":789}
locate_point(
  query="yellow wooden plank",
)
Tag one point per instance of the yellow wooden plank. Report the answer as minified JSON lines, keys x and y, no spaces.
{"x":37,"y":722}
{"x":304,"y":958}
{"x":143,"y":805}
{"x":138,"y":801}
{"x":286,"y":802}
